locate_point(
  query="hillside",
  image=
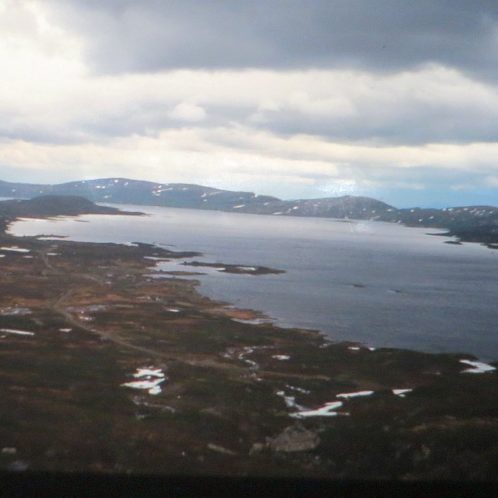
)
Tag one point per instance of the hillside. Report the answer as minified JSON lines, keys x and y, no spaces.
{"x":51,"y":205}
{"x":125,"y":191}
{"x":467,"y":223}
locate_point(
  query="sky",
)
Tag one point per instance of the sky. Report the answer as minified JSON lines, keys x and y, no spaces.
{"x":396,"y":99}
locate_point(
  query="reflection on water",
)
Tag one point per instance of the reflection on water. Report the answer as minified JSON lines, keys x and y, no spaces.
{"x":379,"y":283}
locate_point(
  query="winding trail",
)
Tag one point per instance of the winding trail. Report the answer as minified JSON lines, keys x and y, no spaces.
{"x":58,"y":307}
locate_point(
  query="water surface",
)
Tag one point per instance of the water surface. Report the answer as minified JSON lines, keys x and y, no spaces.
{"x":378,"y":283}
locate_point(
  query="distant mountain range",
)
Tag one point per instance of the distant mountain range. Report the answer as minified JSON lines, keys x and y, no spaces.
{"x":469,"y":223}
{"x":125,"y":191}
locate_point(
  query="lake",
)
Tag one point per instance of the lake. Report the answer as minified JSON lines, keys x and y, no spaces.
{"x":377,"y":283}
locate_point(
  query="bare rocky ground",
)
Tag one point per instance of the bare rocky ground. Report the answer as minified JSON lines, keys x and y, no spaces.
{"x":104,"y":368}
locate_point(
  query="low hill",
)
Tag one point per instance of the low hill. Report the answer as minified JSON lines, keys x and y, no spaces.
{"x":51,"y":205}
{"x":332,"y":207}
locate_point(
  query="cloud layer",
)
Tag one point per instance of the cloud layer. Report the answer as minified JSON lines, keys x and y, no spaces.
{"x":291,"y":98}
{"x":153,"y":35}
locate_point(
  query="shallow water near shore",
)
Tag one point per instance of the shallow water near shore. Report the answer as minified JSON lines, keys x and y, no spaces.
{"x":377,"y":283}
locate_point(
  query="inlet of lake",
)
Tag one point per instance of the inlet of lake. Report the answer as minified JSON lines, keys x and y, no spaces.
{"x":380,"y":284}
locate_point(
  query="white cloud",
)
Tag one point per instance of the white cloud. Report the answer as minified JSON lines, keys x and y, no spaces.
{"x":492,"y":181}
{"x":251,"y":158}
{"x":185,"y":111}
{"x":430,"y":104}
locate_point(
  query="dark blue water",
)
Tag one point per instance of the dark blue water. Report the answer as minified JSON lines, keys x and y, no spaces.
{"x":377,"y":283}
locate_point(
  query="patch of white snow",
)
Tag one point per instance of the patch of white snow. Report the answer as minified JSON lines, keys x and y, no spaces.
{"x":477,"y":367}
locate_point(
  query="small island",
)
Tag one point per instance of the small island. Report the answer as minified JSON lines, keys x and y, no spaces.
{"x":238,"y":269}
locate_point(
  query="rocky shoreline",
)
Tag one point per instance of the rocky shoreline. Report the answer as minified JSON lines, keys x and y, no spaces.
{"x":107,"y":369}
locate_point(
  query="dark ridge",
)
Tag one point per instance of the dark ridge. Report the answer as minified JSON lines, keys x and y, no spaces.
{"x":51,"y":205}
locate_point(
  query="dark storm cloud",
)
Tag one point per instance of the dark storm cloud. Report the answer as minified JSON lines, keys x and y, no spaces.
{"x":152,"y":35}
{"x":412,"y":125}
